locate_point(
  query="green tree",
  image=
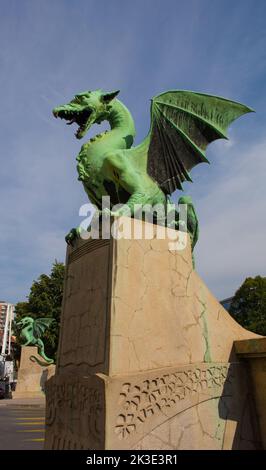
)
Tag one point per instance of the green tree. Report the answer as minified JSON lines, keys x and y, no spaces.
{"x":45,"y":300}
{"x":248,"y":306}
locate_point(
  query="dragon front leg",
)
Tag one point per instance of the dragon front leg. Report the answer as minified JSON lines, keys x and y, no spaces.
{"x":73,"y":235}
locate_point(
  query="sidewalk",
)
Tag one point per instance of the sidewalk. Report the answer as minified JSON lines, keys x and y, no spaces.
{"x":27,"y":402}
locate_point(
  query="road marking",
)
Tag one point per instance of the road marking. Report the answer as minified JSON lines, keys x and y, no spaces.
{"x":35,"y":440}
{"x":31,"y":418}
{"x":35,"y":423}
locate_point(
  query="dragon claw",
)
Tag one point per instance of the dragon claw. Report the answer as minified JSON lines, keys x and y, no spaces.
{"x":72,"y":236}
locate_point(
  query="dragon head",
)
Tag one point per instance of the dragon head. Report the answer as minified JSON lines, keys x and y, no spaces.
{"x":24,"y":322}
{"x":86,"y":109}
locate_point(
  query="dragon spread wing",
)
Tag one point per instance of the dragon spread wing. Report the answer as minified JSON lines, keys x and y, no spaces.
{"x":183,"y":123}
{"x":40,"y":325}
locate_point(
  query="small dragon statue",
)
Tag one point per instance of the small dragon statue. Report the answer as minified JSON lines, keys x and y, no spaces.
{"x":30,"y":334}
{"x":183,"y":123}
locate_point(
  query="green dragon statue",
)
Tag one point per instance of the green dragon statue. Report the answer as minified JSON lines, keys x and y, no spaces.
{"x":183,"y":123}
{"x":30,"y":334}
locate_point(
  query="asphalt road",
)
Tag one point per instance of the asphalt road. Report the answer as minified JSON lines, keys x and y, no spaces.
{"x":21,"y":427}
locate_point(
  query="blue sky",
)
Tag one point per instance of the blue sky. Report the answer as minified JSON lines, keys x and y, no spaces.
{"x":51,"y":49}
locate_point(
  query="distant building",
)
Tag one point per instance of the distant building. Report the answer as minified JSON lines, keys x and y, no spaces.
{"x":3,"y":311}
{"x":13,"y":340}
{"x":226,"y":303}
{"x":6,"y":318}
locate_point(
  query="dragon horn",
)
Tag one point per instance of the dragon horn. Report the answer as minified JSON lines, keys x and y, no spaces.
{"x":107,"y":97}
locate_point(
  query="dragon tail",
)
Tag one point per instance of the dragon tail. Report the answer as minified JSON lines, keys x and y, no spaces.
{"x":41,"y":363}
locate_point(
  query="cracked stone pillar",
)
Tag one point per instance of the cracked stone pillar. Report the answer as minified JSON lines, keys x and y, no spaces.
{"x":146,"y":358}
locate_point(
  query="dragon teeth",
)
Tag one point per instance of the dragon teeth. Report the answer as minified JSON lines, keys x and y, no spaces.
{"x":71,"y":122}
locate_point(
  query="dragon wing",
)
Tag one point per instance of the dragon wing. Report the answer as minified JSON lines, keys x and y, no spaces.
{"x":40,"y":325}
{"x":183,"y":123}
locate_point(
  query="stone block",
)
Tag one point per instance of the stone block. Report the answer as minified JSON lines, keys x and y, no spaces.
{"x":146,"y":356}
{"x":31,"y":376}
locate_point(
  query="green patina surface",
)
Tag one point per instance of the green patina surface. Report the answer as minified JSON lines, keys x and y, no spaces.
{"x":30,"y":334}
{"x":205,"y":332}
{"x":204,"y":325}
{"x":183,"y":123}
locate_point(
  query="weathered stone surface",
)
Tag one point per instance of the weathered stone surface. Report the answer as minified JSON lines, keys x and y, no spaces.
{"x":141,"y":333}
{"x":31,"y":376}
{"x":84,"y":325}
{"x":75,"y":417}
{"x":200,"y":406}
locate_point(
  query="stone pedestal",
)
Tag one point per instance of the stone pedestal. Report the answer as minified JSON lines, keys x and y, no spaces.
{"x":31,"y":376}
{"x":146,"y":357}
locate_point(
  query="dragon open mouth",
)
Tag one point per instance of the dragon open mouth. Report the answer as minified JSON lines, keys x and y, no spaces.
{"x":81,"y":118}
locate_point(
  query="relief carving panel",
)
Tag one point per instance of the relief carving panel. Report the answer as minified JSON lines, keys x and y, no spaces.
{"x":74,"y":413}
{"x":160,"y":397}
{"x":84,"y":317}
